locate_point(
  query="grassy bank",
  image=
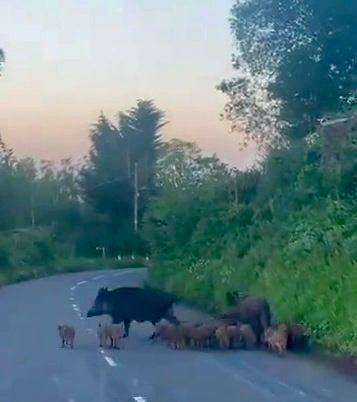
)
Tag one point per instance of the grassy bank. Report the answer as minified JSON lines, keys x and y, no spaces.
{"x":64,"y":266}
{"x":33,"y":253}
{"x":287,"y":231}
{"x":316,"y":287}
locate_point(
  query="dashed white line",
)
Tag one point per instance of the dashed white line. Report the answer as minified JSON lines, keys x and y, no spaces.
{"x":73,"y":288}
{"x":110,"y":361}
{"x":81,"y":283}
{"x":139,"y":399}
{"x":96,"y":278}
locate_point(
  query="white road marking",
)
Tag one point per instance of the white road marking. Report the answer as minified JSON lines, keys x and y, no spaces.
{"x":81,"y":283}
{"x":96,"y":278}
{"x":73,"y":288}
{"x":139,"y":399}
{"x":110,"y":361}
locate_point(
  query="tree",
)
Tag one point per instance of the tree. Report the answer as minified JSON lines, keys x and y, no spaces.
{"x":119,"y":157}
{"x":140,"y":129}
{"x":296,"y":61}
{"x":189,"y":183}
{"x":2,"y":59}
{"x":104,"y":180}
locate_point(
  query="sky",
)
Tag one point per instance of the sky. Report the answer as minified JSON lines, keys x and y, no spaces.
{"x":68,"y":60}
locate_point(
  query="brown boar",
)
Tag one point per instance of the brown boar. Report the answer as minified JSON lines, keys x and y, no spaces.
{"x":222,"y":337}
{"x":115,"y":332}
{"x":67,"y":335}
{"x":200,"y":336}
{"x":297,"y":335}
{"x":167,"y":332}
{"x":235,"y":335}
{"x":103,"y":333}
{"x":252,"y":310}
{"x":277,"y":338}
{"x":249,"y":338}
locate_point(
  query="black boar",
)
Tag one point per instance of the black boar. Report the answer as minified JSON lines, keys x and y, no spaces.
{"x":129,"y":304}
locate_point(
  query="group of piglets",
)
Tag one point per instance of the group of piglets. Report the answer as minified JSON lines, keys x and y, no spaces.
{"x":223,"y":335}
{"x":107,"y":332}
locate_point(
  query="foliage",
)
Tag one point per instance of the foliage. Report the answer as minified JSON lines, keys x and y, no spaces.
{"x":2,"y":58}
{"x":107,"y":178}
{"x":286,"y":229}
{"x":295,"y":62}
{"x":51,"y":213}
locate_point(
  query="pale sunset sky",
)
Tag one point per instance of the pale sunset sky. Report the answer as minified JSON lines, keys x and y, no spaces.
{"x":69,"y":59}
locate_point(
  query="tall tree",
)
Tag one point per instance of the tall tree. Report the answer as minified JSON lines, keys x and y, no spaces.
{"x":121,"y":158}
{"x":140,"y":128}
{"x":296,"y":61}
{"x":104,"y":180}
{"x":2,"y":58}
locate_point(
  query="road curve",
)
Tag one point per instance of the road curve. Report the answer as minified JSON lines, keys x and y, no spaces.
{"x":33,"y":367}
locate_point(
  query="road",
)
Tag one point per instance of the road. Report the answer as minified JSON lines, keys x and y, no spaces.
{"x":33,"y":367}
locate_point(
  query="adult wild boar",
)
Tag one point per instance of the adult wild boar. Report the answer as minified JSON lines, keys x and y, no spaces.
{"x":252,"y":310}
{"x":127,"y":304}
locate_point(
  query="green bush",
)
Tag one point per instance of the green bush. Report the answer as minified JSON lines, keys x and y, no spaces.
{"x":292,"y":240}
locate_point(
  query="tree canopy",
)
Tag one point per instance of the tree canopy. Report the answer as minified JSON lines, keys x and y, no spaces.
{"x":295,"y":62}
{"x":2,"y":58}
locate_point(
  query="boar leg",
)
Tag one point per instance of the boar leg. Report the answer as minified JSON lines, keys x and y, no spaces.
{"x":154,"y":334}
{"x":126,"y":328}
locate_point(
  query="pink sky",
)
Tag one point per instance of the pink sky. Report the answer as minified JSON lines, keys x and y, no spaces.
{"x":67,"y":61}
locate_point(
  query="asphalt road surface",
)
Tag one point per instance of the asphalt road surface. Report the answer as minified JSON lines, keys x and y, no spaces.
{"x":33,"y":367}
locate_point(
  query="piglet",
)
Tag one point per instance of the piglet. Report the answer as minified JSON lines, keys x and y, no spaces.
{"x":67,"y":335}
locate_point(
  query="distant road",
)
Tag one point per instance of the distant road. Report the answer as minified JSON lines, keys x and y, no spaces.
{"x":33,"y":367}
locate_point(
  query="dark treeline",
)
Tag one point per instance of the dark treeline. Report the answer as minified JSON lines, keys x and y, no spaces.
{"x":67,"y":210}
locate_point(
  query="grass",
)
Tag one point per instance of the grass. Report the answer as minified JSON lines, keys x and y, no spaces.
{"x":317,"y":290}
{"x":23,"y":273}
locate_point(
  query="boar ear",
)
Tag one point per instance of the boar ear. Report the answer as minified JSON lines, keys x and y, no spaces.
{"x":102,"y":291}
